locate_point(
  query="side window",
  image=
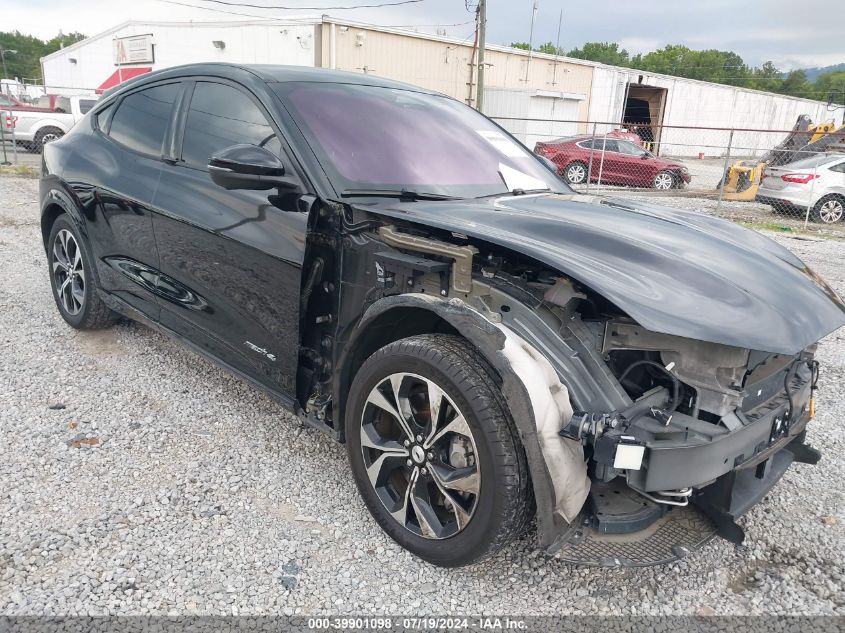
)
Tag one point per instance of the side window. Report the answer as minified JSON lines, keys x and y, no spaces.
{"x":607,"y":145}
{"x":101,"y":117}
{"x":220,"y":116}
{"x":85,"y":105}
{"x":626,"y":147}
{"x":586,"y":144}
{"x":840,"y":168}
{"x":140,"y":122}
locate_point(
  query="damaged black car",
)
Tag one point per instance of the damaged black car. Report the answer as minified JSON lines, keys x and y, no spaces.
{"x":400,"y":272}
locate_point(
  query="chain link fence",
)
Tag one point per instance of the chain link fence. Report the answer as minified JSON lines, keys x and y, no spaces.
{"x":32,"y":115}
{"x":788,"y":179}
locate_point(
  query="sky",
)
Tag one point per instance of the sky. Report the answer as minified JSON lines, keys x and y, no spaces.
{"x":773,"y":30}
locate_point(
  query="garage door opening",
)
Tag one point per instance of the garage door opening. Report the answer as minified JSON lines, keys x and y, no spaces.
{"x":644,"y":113}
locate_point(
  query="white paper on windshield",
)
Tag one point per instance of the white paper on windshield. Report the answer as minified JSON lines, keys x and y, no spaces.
{"x":501,"y":143}
{"x":515,"y":179}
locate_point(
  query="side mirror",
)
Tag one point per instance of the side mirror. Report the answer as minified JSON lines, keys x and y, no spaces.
{"x":248,"y":167}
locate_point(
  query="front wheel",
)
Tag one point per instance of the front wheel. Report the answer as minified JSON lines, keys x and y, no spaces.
{"x":664,"y":181}
{"x":434,"y":451}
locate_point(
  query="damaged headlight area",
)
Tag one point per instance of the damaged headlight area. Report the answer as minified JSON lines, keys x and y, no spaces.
{"x":706,"y":426}
{"x":674,"y":431}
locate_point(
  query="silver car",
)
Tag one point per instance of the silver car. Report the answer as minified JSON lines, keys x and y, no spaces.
{"x":817,"y":183}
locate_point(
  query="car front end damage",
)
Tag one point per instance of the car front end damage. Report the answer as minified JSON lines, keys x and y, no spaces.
{"x":690,"y":437}
{"x":648,"y":426}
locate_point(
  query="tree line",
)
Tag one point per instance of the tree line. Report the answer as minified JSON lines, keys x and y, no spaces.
{"x":722,"y":67}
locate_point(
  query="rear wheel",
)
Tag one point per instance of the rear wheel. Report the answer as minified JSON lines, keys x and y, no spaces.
{"x":575,"y":173}
{"x":46,"y":135}
{"x":664,"y":180}
{"x":434,"y":451}
{"x":829,"y":209}
{"x":72,"y":279}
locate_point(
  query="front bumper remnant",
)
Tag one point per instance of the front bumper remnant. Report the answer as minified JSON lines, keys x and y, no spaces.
{"x":734,"y":493}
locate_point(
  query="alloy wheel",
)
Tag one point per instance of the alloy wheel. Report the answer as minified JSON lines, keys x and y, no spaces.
{"x":420,"y":456}
{"x":831,"y":211}
{"x":47,"y":138}
{"x":576,"y":174}
{"x":68,"y":272}
{"x":663,"y":181}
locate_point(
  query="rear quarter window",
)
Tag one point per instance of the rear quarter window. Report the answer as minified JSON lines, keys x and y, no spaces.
{"x":141,"y":119}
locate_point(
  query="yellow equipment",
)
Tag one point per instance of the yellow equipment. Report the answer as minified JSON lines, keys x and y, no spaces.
{"x":742,"y":179}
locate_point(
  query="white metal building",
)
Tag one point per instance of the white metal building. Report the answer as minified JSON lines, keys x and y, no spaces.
{"x":535,"y":96}
{"x":132,"y":48}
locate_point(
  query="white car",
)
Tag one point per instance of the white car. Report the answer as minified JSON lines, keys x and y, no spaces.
{"x":36,"y":128}
{"x":817,"y":183}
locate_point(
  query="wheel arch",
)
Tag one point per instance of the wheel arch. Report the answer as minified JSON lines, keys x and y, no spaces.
{"x":456,"y":317}
{"x":55,"y":204}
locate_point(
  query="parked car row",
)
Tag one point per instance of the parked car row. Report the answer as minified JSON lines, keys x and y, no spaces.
{"x":612,"y":160}
{"x":52,"y":118}
{"x":816,"y":183}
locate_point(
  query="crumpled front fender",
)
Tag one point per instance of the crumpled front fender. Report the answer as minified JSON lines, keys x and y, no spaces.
{"x":538,"y":402}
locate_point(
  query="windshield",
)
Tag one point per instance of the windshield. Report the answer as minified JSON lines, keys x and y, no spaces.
{"x":372,"y":138}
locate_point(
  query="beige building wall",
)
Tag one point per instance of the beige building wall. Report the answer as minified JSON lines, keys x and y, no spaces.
{"x":445,"y":64}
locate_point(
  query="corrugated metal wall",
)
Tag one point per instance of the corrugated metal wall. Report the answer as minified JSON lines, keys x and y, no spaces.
{"x":444,"y":65}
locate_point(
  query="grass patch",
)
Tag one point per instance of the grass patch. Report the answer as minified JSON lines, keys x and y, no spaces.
{"x":774,"y":227}
{"x":22,"y":171}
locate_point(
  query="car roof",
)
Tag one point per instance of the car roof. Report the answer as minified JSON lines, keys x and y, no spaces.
{"x":269,"y":73}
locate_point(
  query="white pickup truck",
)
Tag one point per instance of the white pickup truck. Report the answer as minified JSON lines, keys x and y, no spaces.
{"x":33,"y":128}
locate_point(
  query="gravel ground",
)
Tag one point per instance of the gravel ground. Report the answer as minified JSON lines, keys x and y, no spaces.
{"x":139,"y":478}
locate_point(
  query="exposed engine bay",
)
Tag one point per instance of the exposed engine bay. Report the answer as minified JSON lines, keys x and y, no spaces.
{"x":633,"y":426}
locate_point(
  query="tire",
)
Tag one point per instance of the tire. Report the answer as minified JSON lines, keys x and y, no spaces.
{"x":664,"y":181}
{"x":46,"y":135}
{"x":575,"y":173}
{"x":78,"y":300}
{"x":479,"y":465}
{"x":829,"y":209}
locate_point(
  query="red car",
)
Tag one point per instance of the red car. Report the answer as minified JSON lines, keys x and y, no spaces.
{"x":625,"y":163}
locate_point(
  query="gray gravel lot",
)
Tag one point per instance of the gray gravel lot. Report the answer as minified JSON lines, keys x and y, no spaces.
{"x":165,"y":485}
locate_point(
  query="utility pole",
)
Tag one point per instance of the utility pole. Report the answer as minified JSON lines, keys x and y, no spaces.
{"x":531,"y":38}
{"x":557,"y":48}
{"x":482,"y":30}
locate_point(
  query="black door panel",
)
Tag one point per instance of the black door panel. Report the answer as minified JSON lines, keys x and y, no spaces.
{"x":240,"y":259}
{"x":235,"y":255}
{"x":118,"y":186}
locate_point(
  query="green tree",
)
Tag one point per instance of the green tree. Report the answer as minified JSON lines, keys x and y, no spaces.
{"x":550,"y":49}
{"x":795,"y":83}
{"x":766,"y":77}
{"x":521,"y":45}
{"x":830,"y":84}
{"x":602,"y":52}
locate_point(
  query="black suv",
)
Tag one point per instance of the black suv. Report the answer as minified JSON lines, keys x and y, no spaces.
{"x":403,"y":274}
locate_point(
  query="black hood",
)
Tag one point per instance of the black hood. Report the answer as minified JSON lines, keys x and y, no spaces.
{"x":676,"y":272}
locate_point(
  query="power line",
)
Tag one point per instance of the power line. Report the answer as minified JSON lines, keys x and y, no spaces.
{"x":268,"y":19}
{"x":243,"y":15}
{"x":331,"y":8}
